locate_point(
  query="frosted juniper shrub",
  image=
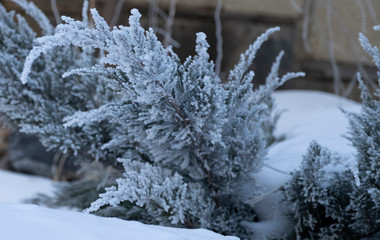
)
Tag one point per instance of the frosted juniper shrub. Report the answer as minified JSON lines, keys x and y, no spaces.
{"x":342,"y":205}
{"x":188,"y":144}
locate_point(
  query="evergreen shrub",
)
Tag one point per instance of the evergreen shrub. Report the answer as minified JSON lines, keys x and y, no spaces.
{"x":186,"y":145}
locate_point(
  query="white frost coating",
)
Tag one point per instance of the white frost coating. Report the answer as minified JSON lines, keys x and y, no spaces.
{"x":376,"y":28}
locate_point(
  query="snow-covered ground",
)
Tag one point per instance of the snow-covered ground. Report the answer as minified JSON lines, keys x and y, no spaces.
{"x":15,"y":187}
{"x":309,"y":115}
{"x":21,"y":222}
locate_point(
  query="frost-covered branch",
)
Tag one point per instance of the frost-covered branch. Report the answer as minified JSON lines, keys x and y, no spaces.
{"x":157,"y":190}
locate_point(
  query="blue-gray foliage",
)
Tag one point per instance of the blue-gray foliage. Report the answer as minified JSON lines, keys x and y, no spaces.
{"x":188,"y":144}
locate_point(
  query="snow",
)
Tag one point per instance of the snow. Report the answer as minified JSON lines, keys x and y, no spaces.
{"x":309,"y":115}
{"x":16,"y":187}
{"x":22,"y":221}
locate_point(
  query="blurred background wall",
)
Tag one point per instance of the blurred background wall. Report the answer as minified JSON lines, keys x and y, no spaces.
{"x":319,"y":37}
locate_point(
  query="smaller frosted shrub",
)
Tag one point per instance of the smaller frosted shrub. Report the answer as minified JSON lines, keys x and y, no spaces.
{"x":342,"y":205}
{"x":319,"y":196}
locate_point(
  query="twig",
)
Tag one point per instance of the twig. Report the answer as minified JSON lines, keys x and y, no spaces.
{"x":372,"y":12}
{"x":54,"y":8}
{"x":117,"y":12}
{"x":219,"y":38}
{"x":296,"y":6}
{"x":154,"y":13}
{"x":60,"y":166}
{"x":153,"y":9}
{"x":305,"y":26}
{"x":363,"y":16}
{"x":169,"y":24}
{"x":366,"y":76}
{"x":347,"y":91}
{"x":330,"y":44}
{"x":277,"y":170}
{"x":260,"y":198}
{"x":331,"y":50}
